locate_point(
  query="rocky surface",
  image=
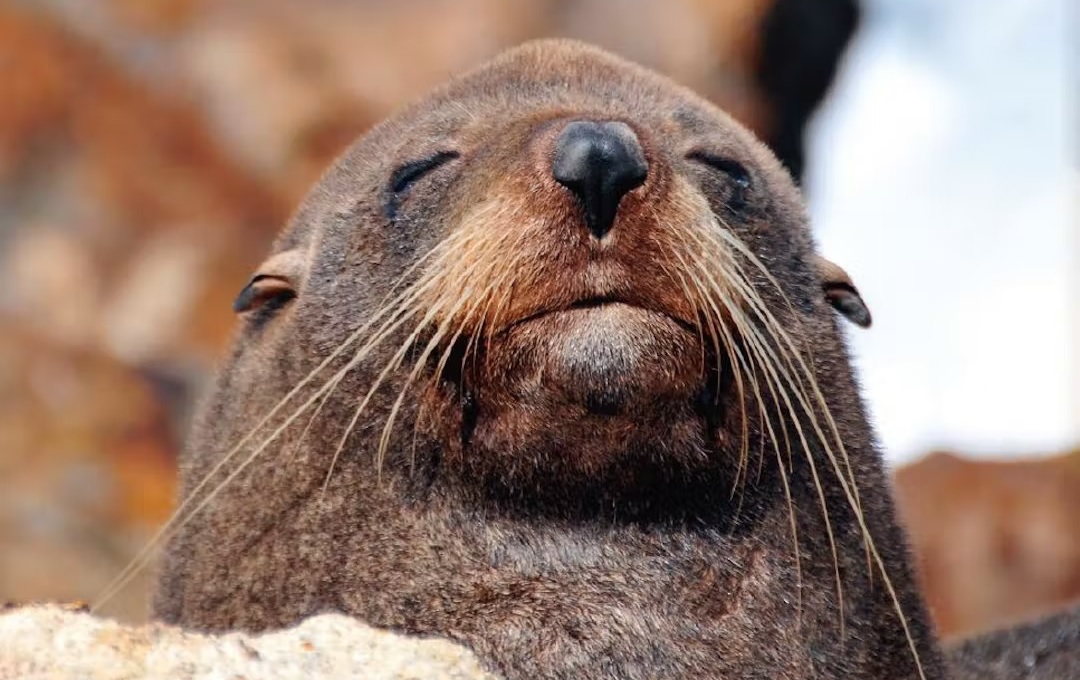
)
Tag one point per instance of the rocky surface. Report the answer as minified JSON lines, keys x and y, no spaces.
{"x":53,"y":642}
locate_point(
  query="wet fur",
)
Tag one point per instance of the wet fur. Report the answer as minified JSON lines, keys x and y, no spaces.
{"x":672,"y":535}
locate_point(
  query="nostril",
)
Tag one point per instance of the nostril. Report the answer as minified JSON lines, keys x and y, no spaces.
{"x":600,"y":162}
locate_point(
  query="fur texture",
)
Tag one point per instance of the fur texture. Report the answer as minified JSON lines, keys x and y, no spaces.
{"x":580,"y":481}
{"x":1047,"y":649}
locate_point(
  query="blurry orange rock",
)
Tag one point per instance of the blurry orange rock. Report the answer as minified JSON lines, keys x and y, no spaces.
{"x":290,"y":84}
{"x":157,"y":16}
{"x":148,"y":156}
{"x":111,"y":165}
{"x":86,"y":471}
{"x":996,"y":542}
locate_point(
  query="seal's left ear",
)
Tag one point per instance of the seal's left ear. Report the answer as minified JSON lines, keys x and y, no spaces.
{"x":276,"y":280}
{"x":841,"y":293}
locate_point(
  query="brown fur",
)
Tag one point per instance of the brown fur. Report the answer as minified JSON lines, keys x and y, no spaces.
{"x":572,"y":490}
{"x":1047,"y":649}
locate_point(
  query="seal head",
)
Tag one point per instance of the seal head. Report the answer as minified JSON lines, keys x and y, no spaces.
{"x":548,"y":363}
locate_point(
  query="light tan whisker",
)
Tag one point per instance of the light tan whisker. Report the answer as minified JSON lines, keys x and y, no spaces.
{"x":392,"y":364}
{"x":794,"y":373}
{"x":747,"y":366}
{"x":695,"y":294}
{"x":849,"y":485}
{"x":175,"y":521}
{"x":750,"y":334}
{"x":484,"y":298}
{"x":432,"y":345}
{"x":449,"y":284}
{"x":725,"y":235}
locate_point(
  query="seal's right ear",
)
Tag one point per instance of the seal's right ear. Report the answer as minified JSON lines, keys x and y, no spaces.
{"x":841,"y":293}
{"x":275,"y":281}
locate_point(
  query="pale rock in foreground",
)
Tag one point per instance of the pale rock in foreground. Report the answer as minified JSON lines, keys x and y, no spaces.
{"x":49,"y":642}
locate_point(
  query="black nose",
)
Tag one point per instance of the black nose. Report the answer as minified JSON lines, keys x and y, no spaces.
{"x":599,"y":162}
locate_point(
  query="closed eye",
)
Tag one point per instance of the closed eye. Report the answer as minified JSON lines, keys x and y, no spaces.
{"x":407,"y":175}
{"x":735,"y":171}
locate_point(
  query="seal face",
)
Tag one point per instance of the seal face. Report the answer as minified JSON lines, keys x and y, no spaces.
{"x":546,"y":364}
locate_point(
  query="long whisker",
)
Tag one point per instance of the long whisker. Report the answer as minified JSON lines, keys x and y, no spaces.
{"x":174,"y":522}
{"x":795,"y":373}
{"x":848,"y":485}
{"x":472,"y":239}
{"x":331,"y":386}
{"x":433,"y":343}
{"x":747,"y":366}
{"x":455,"y":280}
{"x":714,"y":324}
{"x":724,"y":234}
{"x":750,"y":333}
{"x":392,"y":364}
{"x":476,"y":300}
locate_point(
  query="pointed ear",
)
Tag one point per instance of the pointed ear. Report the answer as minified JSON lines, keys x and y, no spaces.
{"x":841,"y":293}
{"x":276,"y":279}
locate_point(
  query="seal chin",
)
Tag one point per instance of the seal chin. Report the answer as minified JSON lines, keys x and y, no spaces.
{"x":613,"y":355}
{"x":606,"y":357}
{"x":595,"y":391}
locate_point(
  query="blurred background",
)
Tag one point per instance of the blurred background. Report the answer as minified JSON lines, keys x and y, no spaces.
{"x":150,"y":149}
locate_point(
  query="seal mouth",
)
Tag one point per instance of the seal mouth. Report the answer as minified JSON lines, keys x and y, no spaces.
{"x":608,"y":355}
{"x":597,"y":355}
{"x":601,"y":302}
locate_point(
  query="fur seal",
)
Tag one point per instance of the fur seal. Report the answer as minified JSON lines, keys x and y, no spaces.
{"x":547,"y":364}
{"x":1044,"y":649}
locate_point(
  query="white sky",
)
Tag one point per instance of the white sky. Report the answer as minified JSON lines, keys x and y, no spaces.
{"x":943,"y":178}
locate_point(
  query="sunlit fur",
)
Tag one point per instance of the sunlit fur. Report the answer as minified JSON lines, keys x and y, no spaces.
{"x":640,"y":458}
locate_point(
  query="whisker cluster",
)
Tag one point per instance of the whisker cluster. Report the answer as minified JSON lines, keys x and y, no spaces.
{"x":463,"y":287}
{"x":446,"y":281}
{"x":710,"y":264}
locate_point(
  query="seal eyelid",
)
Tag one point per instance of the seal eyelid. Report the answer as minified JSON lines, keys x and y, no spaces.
{"x":275,"y":282}
{"x":414,"y":170}
{"x":404,"y":177}
{"x":732,"y":168}
{"x":263,"y":288}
